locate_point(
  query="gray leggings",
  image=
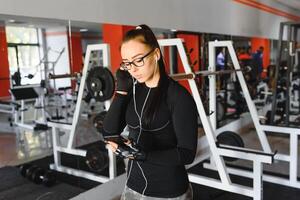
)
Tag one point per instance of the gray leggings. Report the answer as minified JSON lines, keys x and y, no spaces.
{"x":129,"y":194}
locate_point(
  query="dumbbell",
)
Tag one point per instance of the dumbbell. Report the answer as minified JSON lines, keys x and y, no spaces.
{"x":40,"y":175}
{"x":24,"y":168}
{"x":27,"y":169}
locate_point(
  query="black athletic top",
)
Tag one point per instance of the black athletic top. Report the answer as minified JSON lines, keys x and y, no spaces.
{"x":170,"y":141}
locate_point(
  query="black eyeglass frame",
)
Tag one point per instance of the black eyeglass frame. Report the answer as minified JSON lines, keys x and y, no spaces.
{"x":125,"y":65}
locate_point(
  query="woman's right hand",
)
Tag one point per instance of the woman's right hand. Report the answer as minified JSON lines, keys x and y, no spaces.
{"x":112,"y":146}
{"x":124,"y":81}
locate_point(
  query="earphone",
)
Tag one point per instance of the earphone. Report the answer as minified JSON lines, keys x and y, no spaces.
{"x":140,"y":132}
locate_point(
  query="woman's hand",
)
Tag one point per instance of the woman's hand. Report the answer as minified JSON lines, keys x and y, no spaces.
{"x":124,"y":81}
{"x":112,"y":146}
{"x":127,"y":150}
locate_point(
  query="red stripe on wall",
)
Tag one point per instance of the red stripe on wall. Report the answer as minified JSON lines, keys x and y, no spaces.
{"x":4,"y":65}
{"x":268,"y":9}
{"x":75,"y":54}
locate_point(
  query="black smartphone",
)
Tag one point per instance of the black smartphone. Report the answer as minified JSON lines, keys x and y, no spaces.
{"x":116,"y":139}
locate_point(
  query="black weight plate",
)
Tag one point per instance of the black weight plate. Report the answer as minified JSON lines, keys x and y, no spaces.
{"x":23,"y":169}
{"x":96,"y":159}
{"x":232,"y":139}
{"x":268,"y":117}
{"x":98,"y":121}
{"x":220,"y":111}
{"x":30,"y":170}
{"x":238,"y":139}
{"x":36,"y":175}
{"x":100,"y":83}
{"x":49,"y":178}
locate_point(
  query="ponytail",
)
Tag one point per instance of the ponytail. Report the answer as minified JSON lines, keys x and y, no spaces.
{"x":145,"y":35}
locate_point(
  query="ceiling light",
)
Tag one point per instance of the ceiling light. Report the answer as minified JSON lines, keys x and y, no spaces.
{"x":83,"y":30}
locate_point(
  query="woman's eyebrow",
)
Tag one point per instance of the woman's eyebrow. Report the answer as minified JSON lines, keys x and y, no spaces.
{"x":139,"y":54}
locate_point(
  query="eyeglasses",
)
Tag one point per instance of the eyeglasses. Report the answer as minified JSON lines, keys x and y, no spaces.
{"x":138,"y":62}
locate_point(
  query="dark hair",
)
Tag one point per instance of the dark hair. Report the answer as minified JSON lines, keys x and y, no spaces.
{"x":147,"y":37}
{"x":261,"y":48}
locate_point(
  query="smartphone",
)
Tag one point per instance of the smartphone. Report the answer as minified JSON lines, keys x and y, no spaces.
{"x":116,"y":139}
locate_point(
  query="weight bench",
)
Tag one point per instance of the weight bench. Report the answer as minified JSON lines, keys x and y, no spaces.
{"x":25,"y":94}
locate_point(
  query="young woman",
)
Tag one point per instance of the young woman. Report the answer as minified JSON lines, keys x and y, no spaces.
{"x":161,"y":116}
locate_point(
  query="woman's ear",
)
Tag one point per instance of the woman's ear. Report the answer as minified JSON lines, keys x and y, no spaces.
{"x":157,"y":54}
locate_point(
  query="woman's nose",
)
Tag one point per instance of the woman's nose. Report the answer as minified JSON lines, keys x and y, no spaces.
{"x":133,"y":68}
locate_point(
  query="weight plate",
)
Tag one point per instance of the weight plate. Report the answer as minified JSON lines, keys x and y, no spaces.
{"x":100,"y":83}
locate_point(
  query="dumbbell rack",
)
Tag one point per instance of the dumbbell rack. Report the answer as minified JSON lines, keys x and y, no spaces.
{"x":71,"y":128}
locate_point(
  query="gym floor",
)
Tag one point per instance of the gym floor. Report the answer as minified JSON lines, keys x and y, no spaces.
{"x":19,"y":146}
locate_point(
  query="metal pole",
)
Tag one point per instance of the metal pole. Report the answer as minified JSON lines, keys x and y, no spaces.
{"x":279,"y":54}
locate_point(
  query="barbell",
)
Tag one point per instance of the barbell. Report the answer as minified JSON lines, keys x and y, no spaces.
{"x":101,"y":84}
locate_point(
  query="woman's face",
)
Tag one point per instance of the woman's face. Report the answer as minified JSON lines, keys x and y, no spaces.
{"x":143,"y":56}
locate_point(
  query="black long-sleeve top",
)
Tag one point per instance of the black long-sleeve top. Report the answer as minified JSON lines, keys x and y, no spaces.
{"x":170,"y":141}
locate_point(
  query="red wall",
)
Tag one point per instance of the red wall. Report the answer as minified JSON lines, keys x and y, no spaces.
{"x":166,"y":55}
{"x":190,"y":41}
{"x":255,"y":44}
{"x":75,"y":53}
{"x":76,"y":58}
{"x":4,"y":65}
{"x":113,"y":35}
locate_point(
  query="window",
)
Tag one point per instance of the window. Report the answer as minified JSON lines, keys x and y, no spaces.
{"x":23,"y":50}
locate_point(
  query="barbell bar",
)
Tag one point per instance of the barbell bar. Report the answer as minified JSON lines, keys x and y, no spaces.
{"x":184,"y":76}
{"x":101,"y":83}
{"x":58,"y":76}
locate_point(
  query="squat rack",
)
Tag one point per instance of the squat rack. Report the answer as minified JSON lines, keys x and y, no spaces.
{"x":291,"y":158}
{"x":209,"y":126}
{"x":71,"y":128}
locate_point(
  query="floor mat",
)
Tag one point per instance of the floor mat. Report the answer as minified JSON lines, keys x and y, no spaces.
{"x":13,"y":187}
{"x":270,"y":191}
